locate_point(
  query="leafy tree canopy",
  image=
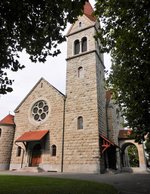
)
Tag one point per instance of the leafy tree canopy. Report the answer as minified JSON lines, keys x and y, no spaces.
{"x":33,"y":25}
{"x":126,"y":34}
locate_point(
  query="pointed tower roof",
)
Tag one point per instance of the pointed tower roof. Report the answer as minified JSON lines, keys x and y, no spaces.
{"x":88,"y":11}
{"x":8,"y":120}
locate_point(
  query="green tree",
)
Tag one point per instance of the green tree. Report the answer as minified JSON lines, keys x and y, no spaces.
{"x":33,"y":25}
{"x":133,"y":156}
{"x":126,"y":35}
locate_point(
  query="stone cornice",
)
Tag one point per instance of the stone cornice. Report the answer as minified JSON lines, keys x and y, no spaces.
{"x":85,"y":53}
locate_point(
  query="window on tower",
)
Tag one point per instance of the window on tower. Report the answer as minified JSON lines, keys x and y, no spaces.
{"x":76,"y":47}
{"x":0,"y":132}
{"x":80,"y":122}
{"x":80,"y":72}
{"x":84,"y":44}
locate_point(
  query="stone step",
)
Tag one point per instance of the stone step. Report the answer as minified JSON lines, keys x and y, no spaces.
{"x":30,"y":169}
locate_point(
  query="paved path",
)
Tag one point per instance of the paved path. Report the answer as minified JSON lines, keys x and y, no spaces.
{"x":126,"y":183}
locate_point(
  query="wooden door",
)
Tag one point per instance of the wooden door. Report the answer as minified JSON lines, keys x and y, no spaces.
{"x":36,"y":155}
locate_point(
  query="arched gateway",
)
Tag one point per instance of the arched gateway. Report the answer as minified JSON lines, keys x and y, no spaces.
{"x":131,"y":153}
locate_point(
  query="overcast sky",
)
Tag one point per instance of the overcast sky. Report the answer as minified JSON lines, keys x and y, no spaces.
{"x":53,"y":70}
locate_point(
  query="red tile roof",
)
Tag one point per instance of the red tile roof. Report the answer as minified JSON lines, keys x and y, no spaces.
{"x":88,"y":11}
{"x":124,"y":134}
{"x":32,"y":136}
{"x":8,"y":120}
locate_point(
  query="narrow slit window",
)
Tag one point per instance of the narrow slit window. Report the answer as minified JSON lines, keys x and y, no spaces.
{"x":53,"y":150}
{"x":80,"y":72}
{"x":18,"y":154}
{"x":0,"y":132}
{"x":80,"y":122}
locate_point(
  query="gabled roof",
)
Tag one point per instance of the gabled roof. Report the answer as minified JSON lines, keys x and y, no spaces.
{"x":42,"y":79}
{"x":8,"y":120}
{"x":32,"y":136}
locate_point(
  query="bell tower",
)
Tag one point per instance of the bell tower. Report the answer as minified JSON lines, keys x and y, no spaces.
{"x":84,"y":119}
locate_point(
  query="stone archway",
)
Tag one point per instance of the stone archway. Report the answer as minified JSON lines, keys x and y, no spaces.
{"x":138,"y":165}
{"x":129,"y":155}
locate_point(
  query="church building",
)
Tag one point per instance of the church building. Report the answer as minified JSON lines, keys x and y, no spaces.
{"x":72,"y":132}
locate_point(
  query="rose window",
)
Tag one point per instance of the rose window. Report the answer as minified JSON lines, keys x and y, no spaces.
{"x":40,"y":110}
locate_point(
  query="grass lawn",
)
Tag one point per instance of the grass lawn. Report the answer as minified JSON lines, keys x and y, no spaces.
{"x":47,"y":185}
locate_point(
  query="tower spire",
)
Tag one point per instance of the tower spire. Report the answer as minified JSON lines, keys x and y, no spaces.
{"x":88,"y":10}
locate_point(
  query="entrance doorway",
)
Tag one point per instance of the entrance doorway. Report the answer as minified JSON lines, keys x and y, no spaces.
{"x":36,"y":155}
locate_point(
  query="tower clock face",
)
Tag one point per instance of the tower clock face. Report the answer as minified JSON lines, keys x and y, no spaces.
{"x":39,"y":110}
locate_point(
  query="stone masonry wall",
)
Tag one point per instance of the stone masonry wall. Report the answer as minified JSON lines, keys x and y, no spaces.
{"x":81,"y":145}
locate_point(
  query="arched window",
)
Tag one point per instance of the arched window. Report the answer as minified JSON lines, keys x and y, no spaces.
{"x":0,"y":132}
{"x":84,"y":44}
{"x":53,"y":150}
{"x":80,"y":122}
{"x":18,"y":151}
{"x":80,"y":24}
{"x":76,"y":47}
{"x":80,"y":72}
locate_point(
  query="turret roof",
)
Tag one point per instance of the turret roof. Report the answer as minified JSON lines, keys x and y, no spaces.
{"x":8,"y":120}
